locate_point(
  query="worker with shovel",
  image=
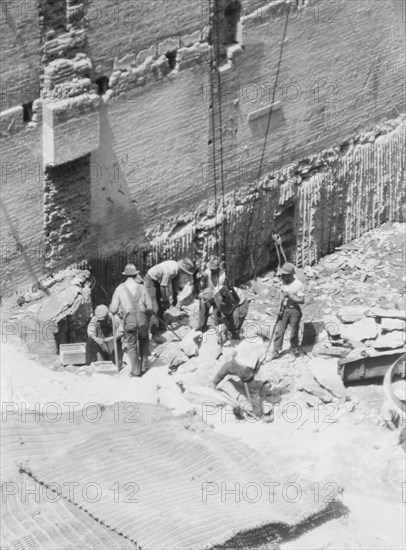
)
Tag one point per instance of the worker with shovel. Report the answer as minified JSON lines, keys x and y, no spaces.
{"x":102,"y":331}
{"x":293,"y":295}
{"x":132,"y":302}
{"x":260,"y":394}
{"x":162,"y":280}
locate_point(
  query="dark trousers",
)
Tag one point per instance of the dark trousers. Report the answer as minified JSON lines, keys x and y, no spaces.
{"x":138,"y":344}
{"x":204,"y":312}
{"x":234,"y":321}
{"x":105,"y":352}
{"x":291,"y":316}
{"x":154,"y":289}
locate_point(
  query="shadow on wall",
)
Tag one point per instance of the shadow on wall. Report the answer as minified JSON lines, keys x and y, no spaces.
{"x":115,"y":215}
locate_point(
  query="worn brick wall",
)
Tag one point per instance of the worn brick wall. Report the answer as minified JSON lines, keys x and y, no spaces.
{"x":342,"y":68}
{"x":117,"y":28}
{"x":19,"y":53}
{"x":149,"y":164}
{"x":21,"y":215}
{"x":67,"y":211}
{"x":150,"y":182}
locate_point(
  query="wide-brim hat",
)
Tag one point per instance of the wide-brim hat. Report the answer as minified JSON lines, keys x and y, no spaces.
{"x":130,"y":270}
{"x":101,"y":312}
{"x":187,"y":265}
{"x":214,"y":264}
{"x":288,"y":269}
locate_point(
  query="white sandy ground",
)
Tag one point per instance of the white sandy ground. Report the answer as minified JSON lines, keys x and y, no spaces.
{"x":359,"y":456}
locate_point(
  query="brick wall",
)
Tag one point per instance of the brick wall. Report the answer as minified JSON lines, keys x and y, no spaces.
{"x":22,"y":200}
{"x":342,"y":68}
{"x":19,"y":53}
{"x":117,"y":28}
{"x":149,"y":164}
{"x":150,"y":182}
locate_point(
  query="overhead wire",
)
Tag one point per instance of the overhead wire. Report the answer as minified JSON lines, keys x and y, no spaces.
{"x":213,"y":122}
{"x":245,"y":251}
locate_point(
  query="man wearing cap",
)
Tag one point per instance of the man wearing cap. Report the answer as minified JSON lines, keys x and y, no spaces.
{"x":132,"y":302}
{"x":163,"y":279}
{"x":212,"y":280}
{"x":100,"y":331}
{"x":293,"y":295}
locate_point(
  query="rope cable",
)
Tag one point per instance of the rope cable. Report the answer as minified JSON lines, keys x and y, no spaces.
{"x":217,"y":16}
{"x":213,"y":124}
{"x":267,"y":130}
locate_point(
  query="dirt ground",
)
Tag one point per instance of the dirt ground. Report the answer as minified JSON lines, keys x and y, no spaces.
{"x":339,"y":447}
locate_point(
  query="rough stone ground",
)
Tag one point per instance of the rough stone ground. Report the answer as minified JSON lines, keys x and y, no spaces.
{"x":341,"y":442}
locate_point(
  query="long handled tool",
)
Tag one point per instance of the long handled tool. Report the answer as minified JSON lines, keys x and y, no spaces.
{"x":260,"y":362}
{"x":116,"y":358}
{"x":168,"y":327}
{"x":279,"y":250}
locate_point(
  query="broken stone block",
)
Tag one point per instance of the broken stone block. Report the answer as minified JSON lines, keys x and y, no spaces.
{"x":351,"y":314}
{"x":145,"y":54}
{"x":384,"y":313}
{"x":190,"y":39}
{"x":388,"y":324}
{"x":168,"y":45}
{"x":190,"y":343}
{"x":124,"y":64}
{"x":333,"y":351}
{"x":333,"y":263}
{"x":365,"y":329}
{"x":308,"y":384}
{"x":389,"y":340}
{"x":172,"y":355}
{"x":325,"y":373}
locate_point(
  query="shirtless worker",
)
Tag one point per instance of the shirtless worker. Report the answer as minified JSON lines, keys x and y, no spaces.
{"x":293,"y":296}
{"x":161,"y":280}
{"x":132,"y":302}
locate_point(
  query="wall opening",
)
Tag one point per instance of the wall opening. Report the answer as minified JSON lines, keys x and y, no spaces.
{"x":232,"y":12}
{"x":27,"y":112}
{"x":284,"y":225}
{"x":171,"y":57}
{"x":102,"y":84}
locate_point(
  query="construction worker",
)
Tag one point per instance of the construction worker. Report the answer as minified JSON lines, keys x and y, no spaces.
{"x":213,"y":278}
{"x":293,"y":295}
{"x":161,"y":280}
{"x":255,"y":391}
{"x":101,"y":331}
{"x":132,"y":302}
{"x":231,"y":322}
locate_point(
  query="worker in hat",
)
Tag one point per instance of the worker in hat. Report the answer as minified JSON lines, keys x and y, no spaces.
{"x":162,"y":280}
{"x":132,"y":303}
{"x":211,"y":281}
{"x":293,"y":296}
{"x":260,"y":394}
{"x":101,"y":332}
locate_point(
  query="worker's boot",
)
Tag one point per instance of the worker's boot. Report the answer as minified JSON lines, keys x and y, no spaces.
{"x":275,"y":355}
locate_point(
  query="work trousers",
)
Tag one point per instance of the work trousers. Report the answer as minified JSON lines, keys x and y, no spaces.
{"x":291,"y":316}
{"x":105,"y":352}
{"x":204,"y":312}
{"x":137,"y":341}
{"x":154,"y":289}
{"x":235,"y":320}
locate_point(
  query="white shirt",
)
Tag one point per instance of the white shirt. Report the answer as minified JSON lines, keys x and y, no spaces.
{"x":164,"y":272}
